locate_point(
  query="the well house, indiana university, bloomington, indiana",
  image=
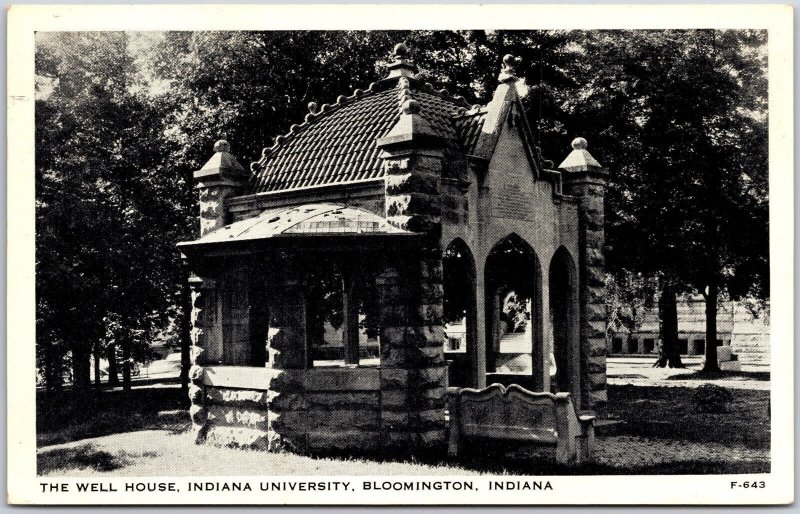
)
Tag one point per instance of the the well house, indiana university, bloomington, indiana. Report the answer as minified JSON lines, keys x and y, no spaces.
{"x":396,"y":244}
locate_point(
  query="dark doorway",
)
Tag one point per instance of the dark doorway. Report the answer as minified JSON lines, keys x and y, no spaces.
{"x":459,"y":314}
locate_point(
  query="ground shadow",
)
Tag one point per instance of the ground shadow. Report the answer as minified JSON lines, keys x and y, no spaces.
{"x":78,"y":457}
{"x":60,"y":419}
{"x":760,"y":376}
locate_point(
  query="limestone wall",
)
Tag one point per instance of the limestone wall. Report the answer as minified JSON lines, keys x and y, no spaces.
{"x":344,"y":409}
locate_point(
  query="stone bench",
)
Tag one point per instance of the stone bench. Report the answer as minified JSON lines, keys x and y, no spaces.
{"x":515,"y":414}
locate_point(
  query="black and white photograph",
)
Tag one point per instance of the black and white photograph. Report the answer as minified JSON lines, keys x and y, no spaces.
{"x":332,"y":265}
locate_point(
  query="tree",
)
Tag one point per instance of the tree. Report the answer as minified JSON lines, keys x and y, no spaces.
{"x":105,"y":203}
{"x":681,"y":127}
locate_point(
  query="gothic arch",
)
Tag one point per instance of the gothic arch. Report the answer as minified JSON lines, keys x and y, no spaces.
{"x":513,"y":268}
{"x":564,"y":316}
{"x":459,"y":285}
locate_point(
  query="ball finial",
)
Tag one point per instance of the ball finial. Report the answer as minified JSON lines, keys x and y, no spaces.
{"x":222,"y":146}
{"x":400,"y":51}
{"x":312,"y":107}
{"x":410,"y":107}
{"x":579,"y":143}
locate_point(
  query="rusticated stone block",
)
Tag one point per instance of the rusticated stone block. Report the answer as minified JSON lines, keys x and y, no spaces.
{"x":331,"y":419}
{"x":394,"y":399}
{"x":426,"y":183}
{"x":281,"y":402}
{"x":198,"y":414}
{"x":244,"y":437}
{"x":596,"y":328}
{"x":597,"y":381}
{"x":430,"y":293}
{"x":393,"y":378}
{"x":393,"y":336}
{"x":196,"y":375}
{"x":429,"y":314}
{"x":598,"y":350}
{"x":196,"y":395}
{"x":595,"y":366}
{"x":237,"y":415}
{"x":353,"y":401}
{"x":431,"y":270}
{"x":433,"y":376}
{"x":344,"y":440}
{"x":433,"y":418}
{"x":431,"y":438}
{"x":395,"y":420}
{"x":416,"y":223}
{"x":598,"y":397}
{"x":199,"y":356}
{"x":236,"y":396}
{"x":413,"y":204}
{"x":596,"y":311}
{"x":395,"y":356}
{"x":397,"y":165}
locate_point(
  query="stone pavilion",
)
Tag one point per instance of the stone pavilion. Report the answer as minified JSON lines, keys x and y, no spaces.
{"x":394,"y":243}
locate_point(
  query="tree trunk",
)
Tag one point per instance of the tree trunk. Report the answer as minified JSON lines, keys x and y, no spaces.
{"x":126,"y":364}
{"x":668,"y":328}
{"x":96,"y":353}
{"x":53,"y":366}
{"x":711,"y":328}
{"x":81,"y":369}
{"x":113,"y":374}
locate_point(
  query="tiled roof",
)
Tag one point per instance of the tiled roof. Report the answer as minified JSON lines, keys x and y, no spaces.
{"x":469,"y":127}
{"x":338,"y":143}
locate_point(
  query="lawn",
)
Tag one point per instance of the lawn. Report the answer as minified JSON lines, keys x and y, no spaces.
{"x":661,"y":433}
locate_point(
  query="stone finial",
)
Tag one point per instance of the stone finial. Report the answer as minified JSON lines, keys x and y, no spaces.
{"x":313,"y":107}
{"x":508,"y":72}
{"x":579,"y":143}
{"x":402,"y":65}
{"x":221,"y":166}
{"x":222,"y":146}
{"x":580,"y":159}
{"x":400,"y":51}
{"x":410,"y":107}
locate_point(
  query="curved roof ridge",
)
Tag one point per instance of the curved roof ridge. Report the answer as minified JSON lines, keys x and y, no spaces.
{"x":315,"y":114}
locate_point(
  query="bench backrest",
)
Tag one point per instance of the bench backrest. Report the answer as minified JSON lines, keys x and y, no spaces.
{"x":512,"y":413}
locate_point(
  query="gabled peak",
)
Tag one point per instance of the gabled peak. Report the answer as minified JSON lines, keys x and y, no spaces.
{"x":580,"y":159}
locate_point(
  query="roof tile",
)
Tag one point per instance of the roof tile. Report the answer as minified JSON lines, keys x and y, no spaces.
{"x":339,"y":145}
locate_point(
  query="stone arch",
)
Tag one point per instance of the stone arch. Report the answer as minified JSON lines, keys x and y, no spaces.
{"x":564,"y":317}
{"x":512,"y":267}
{"x":459,"y":287}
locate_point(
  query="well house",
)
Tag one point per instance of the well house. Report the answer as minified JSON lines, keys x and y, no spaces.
{"x":395,"y":243}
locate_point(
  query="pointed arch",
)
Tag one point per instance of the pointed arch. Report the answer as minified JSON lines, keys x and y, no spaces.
{"x":513,"y":289}
{"x":459,"y":287}
{"x":564,"y":316}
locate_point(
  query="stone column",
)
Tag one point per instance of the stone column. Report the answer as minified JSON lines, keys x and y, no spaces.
{"x":412,"y":159}
{"x":288,"y":353}
{"x":222,"y":176}
{"x":203,"y":305}
{"x":586,"y":179}
{"x":413,"y":369}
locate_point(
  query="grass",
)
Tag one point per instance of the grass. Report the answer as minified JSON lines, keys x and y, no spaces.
{"x":661,"y":434}
{"x":668,"y":413}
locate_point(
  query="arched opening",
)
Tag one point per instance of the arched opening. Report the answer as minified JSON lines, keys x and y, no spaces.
{"x":564,"y":313}
{"x":460,"y":323}
{"x":514,"y":328}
